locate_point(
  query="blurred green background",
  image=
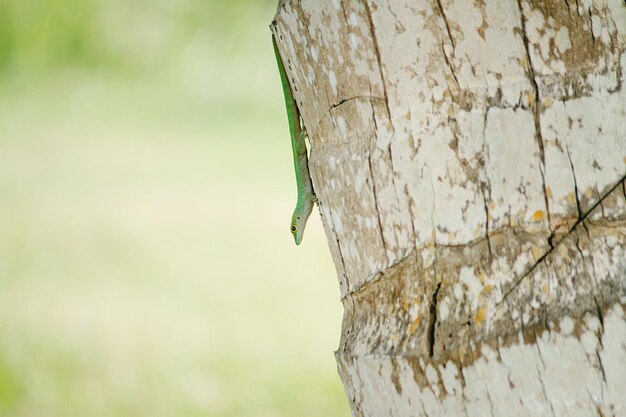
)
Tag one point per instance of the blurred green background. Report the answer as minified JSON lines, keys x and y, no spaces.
{"x":146,"y":186}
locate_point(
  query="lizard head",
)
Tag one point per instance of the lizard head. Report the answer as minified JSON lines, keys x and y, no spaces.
{"x":301,"y":215}
{"x":297,"y":228}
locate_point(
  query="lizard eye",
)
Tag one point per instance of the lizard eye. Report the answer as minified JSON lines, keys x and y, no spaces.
{"x":293,"y":228}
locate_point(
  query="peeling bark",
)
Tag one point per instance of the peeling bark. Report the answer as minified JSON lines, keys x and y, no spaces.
{"x":470,"y":162}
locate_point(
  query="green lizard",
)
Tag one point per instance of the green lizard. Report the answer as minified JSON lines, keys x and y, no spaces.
{"x":306,"y":195}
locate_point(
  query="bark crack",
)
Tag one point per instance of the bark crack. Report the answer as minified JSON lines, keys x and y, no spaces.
{"x":380,"y":222}
{"x":545,"y":199}
{"x":345,"y":16}
{"x":580,"y":220}
{"x":601,"y":365}
{"x":571,"y":164}
{"x":599,"y":336}
{"x":393,"y":183}
{"x":487,"y":183}
{"x":449,"y":64}
{"x":536,"y":110}
{"x":569,"y":14}
{"x":410,"y":203}
{"x":600,"y":318}
{"x":578,"y":248}
{"x":533,"y":81}
{"x":539,"y":375}
{"x":379,"y":61}
{"x":343,"y":261}
{"x":345,"y":100}
{"x":433,"y":321}
{"x":593,"y":37}
{"x":445,"y":21}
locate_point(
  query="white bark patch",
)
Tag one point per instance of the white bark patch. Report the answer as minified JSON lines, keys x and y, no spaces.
{"x":513,"y":168}
{"x":562,"y":40}
{"x":478,"y":29}
{"x":472,"y":286}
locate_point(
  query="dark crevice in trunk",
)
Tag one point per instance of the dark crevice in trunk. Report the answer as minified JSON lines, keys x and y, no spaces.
{"x":445,"y":21}
{"x":433,"y":322}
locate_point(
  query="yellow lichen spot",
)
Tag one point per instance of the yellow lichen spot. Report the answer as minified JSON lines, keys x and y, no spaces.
{"x":538,"y":215}
{"x":531,"y":98}
{"x":537,"y":252}
{"x":488,"y":288}
{"x":549,"y":190}
{"x":480,"y":315}
{"x":482,"y":277}
{"x":571,"y":198}
{"x":547,"y":102}
{"x":545,"y":288}
{"x":625,"y":159}
{"x":492,"y":205}
{"x":588,"y":192}
{"x":413,"y":326}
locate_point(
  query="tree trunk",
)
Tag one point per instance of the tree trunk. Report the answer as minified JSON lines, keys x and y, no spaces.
{"x":470,"y":158}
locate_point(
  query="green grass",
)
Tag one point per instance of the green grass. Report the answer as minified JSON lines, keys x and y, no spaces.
{"x":146,"y":267}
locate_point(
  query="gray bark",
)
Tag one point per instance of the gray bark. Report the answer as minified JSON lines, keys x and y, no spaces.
{"x":470,"y":158}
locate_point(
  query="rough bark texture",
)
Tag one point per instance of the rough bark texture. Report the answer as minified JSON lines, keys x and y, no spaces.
{"x":470,"y":161}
